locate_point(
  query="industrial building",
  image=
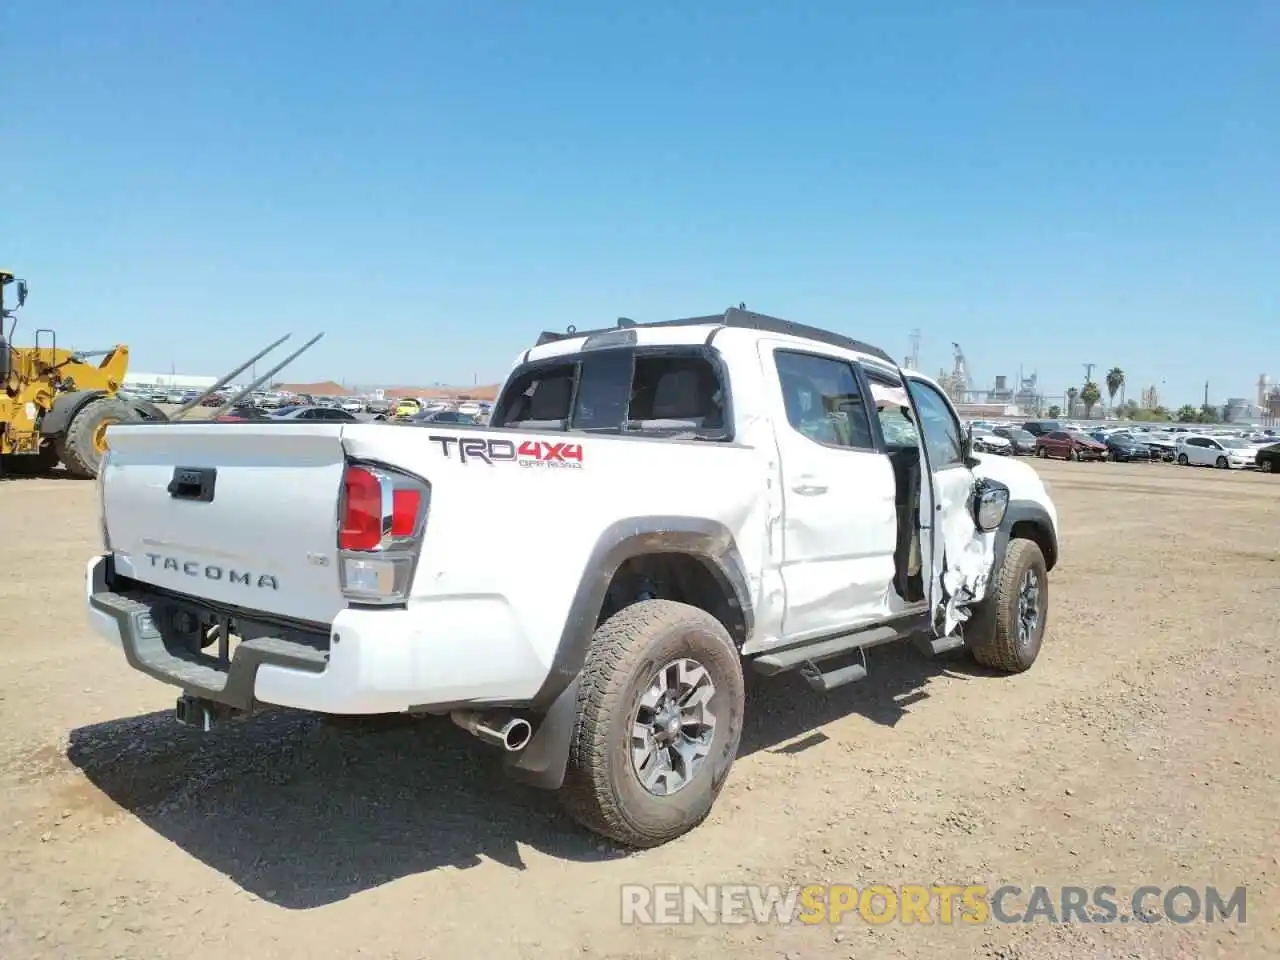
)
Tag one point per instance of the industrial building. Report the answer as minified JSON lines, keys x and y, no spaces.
{"x":167,"y":381}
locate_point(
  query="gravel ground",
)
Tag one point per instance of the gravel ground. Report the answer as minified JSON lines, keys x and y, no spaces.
{"x":1142,"y":749}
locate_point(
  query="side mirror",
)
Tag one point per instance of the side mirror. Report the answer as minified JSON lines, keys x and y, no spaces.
{"x":990,"y":503}
{"x":21,"y":291}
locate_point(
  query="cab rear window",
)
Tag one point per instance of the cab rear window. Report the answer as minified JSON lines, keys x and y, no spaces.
{"x":667,"y":392}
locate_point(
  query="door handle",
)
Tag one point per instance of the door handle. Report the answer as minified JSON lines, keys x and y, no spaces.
{"x":806,"y":488}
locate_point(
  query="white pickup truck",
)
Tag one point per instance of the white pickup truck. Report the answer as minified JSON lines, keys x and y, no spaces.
{"x":652,"y":509}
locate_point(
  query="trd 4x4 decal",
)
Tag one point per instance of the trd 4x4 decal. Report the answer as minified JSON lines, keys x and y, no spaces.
{"x":527,"y":453}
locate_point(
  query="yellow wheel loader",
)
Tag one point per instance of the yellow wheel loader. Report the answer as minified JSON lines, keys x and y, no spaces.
{"x":57,"y":406}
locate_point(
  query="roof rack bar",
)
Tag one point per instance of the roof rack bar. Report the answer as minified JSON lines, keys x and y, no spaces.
{"x":734,"y":317}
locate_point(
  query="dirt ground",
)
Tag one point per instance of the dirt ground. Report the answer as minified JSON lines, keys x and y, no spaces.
{"x":1141,"y":749}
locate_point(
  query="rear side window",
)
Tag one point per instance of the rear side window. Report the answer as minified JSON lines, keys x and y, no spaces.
{"x":675,"y":392}
{"x":669,"y":392}
{"x":539,"y":397}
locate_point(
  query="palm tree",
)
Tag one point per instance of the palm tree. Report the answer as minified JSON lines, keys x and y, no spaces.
{"x":1090,"y":396}
{"x":1115,"y":383}
{"x":1072,"y":394}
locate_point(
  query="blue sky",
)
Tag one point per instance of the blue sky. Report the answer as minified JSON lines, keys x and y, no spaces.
{"x":434,"y":183}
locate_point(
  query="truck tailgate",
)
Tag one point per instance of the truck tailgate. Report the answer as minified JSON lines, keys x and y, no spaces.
{"x":242,"y":514}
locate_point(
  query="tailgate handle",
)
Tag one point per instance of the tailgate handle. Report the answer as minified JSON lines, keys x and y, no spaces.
{"x":193,"y":483}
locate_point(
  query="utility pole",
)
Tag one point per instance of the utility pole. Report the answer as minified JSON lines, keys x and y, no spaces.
{"x":1088,"y":371}
{"x":1206,"y":393}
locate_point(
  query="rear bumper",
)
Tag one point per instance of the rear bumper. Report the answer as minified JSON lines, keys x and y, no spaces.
{"x":464,"y":652}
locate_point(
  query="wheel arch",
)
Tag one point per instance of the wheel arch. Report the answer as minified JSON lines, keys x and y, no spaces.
{"x":1028,"y":520}
{"x":65,"y":407}
{"x":708,"y":543}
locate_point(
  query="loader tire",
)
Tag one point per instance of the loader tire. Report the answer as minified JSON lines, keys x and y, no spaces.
{"x":671,"y":672}
{"x":82,"y":446}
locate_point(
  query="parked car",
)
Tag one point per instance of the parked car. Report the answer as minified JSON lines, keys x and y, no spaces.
{"x":1041,"y":428}
{"x":442,"y":416}
{"x":353,"y":405}
{"x":1070,"y":445}
{"x":406,"y":407}
{"x":1225,"y":453}
{"x":245,"y":411}
{"x":1126,"y":448}
{"x":1022,"y":441}
{"x":1164,"y":443}
{"x":987,"y":441}
{"x":354,"y":568}
{"x":313,"y":412}
{"x":1267,"y":459}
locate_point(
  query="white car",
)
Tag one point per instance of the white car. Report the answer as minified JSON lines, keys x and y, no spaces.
{"x":353,"y":405}
{"x":987,"y":442}
{"x":1222,"y":452}
{"x":532,"y":581}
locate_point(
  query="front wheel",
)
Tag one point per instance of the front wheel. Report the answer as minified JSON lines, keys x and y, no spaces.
{"x":660,"y":713}
{"x":1267,"y":466}
{"x":1182,"y":460}
{"x":1072,"y":454}
{"x":1007,"y":628}
{"x":1222,"y":464}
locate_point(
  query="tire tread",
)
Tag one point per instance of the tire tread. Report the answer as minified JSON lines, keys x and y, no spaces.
{"x":617,"y":645}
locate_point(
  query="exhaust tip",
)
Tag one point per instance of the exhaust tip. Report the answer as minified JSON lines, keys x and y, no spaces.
{"x":517,"y":735}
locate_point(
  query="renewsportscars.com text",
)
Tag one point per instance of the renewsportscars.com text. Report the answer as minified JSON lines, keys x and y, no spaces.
{"x":671,"y":904}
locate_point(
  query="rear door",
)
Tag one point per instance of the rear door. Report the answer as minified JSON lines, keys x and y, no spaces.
{"x":961,"y":556}
{"x":242,"y":513}
{"x":839,"y":514}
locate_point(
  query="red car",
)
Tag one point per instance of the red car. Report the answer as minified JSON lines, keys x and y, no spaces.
{"x":1070,"y":446}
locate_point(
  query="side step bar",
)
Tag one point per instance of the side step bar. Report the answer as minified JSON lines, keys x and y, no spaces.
{"x":780,"y":661}
{"x":812,"y":658}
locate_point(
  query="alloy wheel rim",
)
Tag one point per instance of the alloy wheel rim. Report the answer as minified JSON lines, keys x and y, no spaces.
{"x":1028,"y":607}
{"x":673,"y":727}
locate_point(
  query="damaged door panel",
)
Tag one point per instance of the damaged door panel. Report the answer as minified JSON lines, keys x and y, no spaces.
{"x":961,"y":555}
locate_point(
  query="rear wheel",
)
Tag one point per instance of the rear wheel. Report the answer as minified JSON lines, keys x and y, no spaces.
{"x":1006,"y":630}
{"x":82,"y":447}
{"x":659,"y":720}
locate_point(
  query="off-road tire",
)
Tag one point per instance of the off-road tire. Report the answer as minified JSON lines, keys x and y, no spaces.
{"x":601,"y":789}
{"x":991,"y":633}
{"x":76,"y":447}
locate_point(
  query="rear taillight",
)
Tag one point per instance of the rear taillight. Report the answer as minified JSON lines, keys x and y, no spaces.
{"x":381,"y":520}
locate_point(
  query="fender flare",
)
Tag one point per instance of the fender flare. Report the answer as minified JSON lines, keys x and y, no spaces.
{"x":67,"y":405}
{"x":1027,"y":513}
{"x":543,"y":762}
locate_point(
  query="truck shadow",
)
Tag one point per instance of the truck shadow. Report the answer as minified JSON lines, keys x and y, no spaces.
{"x":303,"y":813}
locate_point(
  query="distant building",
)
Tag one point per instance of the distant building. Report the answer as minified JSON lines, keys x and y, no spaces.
{"x":1238,"y":410}
{"x":160,"y":381}
{"x":324,"y":388}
